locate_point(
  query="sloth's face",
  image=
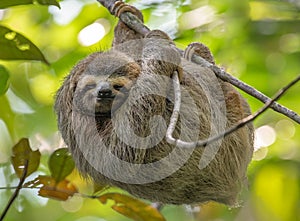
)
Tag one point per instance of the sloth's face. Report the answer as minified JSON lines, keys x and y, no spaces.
{"x":100,"y":95}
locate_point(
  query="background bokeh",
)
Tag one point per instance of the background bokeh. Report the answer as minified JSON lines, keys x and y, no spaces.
{"x":256,"y":41}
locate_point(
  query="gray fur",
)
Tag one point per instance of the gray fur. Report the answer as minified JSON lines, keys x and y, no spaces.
{"x":135,"y":132}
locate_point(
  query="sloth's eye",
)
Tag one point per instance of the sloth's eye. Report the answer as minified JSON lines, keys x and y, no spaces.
{"x":118,"y":87}
{"x":90,"y":86}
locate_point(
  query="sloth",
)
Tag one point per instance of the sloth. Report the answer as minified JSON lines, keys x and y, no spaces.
{"x":114,"y":108}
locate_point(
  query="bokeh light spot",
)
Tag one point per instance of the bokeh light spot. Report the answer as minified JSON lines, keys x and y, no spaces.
{"x":285,"y":129}
{"x":91,"y":34}
{"x":264,"y":137}
{"x":289,"y":151}
{"x":289,"y":43}
{"x":260,"y":153}
{"x":73,"y":204}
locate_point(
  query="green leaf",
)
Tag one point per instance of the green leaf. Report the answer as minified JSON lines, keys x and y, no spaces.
{"x":48,"y":2}
{"x":61,"y":164}
{"x":15,"y":46}
{"x":132,"y":208}
{"x":9,"y":3}
{"x":22,"y":153}
{"x":4,"y":80}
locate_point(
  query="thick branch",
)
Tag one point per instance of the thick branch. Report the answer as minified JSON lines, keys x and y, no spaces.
{"x":134,"y":23}
{"x":108,"y":4}
{"x":128,"y":18}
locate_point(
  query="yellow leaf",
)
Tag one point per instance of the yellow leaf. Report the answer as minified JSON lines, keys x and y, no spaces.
{"x":40,"y":181}
{"x":50,"y":189}
{"x":99,"y":187}
{"x":132,"y":208}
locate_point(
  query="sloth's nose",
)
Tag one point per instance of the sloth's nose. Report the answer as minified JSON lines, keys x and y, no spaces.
{"x":104,"y":90}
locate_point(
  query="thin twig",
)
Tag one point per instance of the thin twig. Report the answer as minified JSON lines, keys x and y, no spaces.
{"x":134,"y":23}
{"x":174,"y":117}
{"x":16,"y":193}
{"x":9,"y":188}
{"x":247,"y":88}
{"x":243,"y":122}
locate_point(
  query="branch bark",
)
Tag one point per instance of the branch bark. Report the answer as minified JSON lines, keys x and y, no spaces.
{"x":134,"y":23}
{"x":248,"y":89}
{"x":201,"y":143}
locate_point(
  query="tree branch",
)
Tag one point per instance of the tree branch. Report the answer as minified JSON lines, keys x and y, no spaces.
{"x":109,"y":4}
{"x":179,"y":143}
{"x":16,"y":193}
{"x":175,"y":114}
{"x":128,"y":18}
{"x":134,"y":23}
{"x":247,"y":88}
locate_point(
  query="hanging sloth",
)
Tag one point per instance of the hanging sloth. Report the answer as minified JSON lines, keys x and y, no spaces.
{"x":114,"y":107}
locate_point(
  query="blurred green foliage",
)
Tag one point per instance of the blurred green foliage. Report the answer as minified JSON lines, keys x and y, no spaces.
{"x":257,"y":41}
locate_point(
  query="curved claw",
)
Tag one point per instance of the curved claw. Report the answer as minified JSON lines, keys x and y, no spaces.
{"x":198,"y":49}
{"x":120,"y":7}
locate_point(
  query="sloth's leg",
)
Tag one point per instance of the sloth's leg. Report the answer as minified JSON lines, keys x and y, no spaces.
{"x":122,"y":32}
{"x":167,"y":56}
{"x":162,"y":54}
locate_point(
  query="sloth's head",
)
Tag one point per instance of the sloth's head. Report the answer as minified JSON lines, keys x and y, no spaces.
{"x":104,"y":84}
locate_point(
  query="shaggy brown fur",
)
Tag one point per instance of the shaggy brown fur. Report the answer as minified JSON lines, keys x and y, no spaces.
{"x":129,"y":123}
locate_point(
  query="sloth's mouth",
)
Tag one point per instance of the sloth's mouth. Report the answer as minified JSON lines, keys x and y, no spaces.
{"x":99,"y":99}
{"x":107,"y":104}
{"x":103,"y":106}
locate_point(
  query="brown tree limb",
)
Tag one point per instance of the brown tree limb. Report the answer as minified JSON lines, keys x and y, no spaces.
{"x":134,"y":23}
{"x":17,"y":190}
{"x":179,"y":143}
{"x":109,"y":4}
{"x":128,"y":18}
